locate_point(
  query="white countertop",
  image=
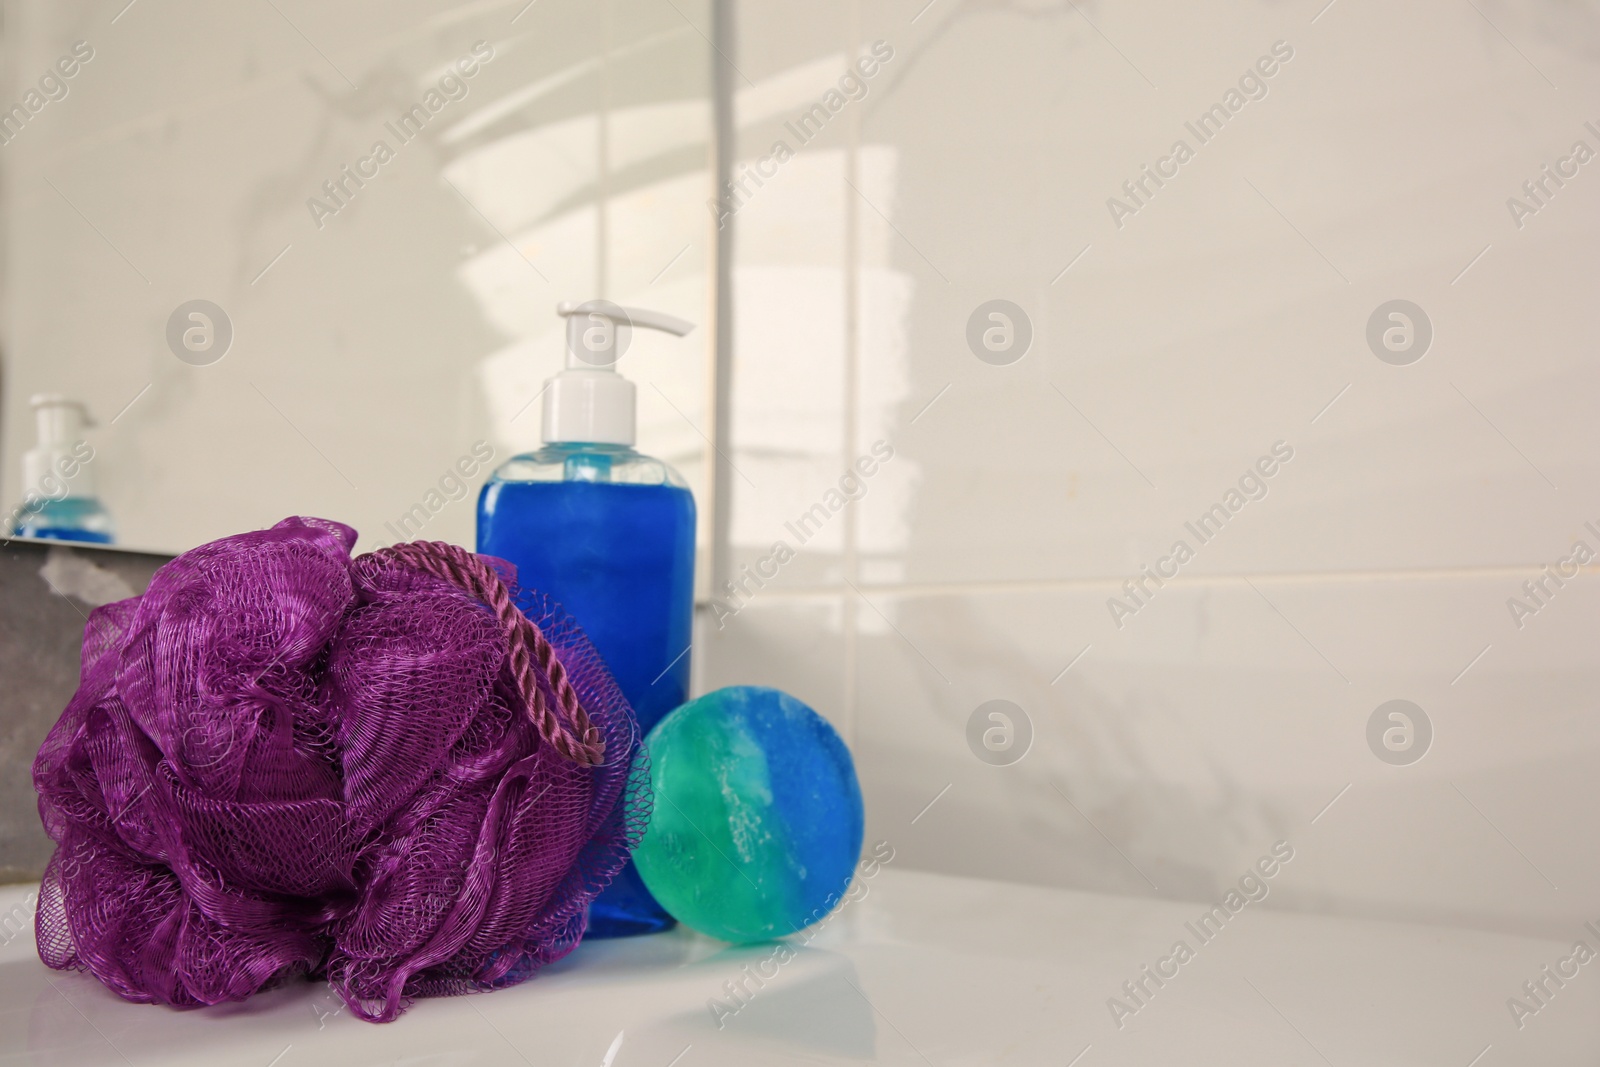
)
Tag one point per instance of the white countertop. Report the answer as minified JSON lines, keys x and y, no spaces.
{"x":925,"y":969}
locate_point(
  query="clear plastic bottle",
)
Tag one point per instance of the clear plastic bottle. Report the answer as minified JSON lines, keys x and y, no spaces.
{"x":59,"y":501}
{"x":609,"y":534}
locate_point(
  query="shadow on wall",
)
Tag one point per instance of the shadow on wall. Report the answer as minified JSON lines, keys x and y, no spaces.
{"x":46,"y":594}
{"x":1087,"y":809}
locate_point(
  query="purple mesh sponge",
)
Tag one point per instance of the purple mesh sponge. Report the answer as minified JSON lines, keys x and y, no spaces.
{"x":283,"y":762}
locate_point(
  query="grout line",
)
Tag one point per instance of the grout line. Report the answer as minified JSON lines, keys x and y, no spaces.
{"x":712,"y":40}
{"x":719,"y":481}
{"x":828,"y":591}
{"x":602,"y":160}
{"x":852,"y":401}
{"x":903,"y":636}
{"x":898,"y":231}
{"x":706,"y":437}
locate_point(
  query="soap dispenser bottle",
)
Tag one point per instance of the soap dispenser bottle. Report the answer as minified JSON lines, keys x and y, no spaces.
{"x":607,"y":533}
{"x":59,"y":501}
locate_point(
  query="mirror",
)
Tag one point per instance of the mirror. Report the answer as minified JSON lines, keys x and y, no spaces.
{"x":298,"y":258}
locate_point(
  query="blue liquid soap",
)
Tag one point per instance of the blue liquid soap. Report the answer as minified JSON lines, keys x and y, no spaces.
{"x":618,"y":555}
{"x":80,"y":519}
{"x":609,"y":534}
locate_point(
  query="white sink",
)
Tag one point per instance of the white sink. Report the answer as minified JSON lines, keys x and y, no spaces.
{"x":925,"y":969}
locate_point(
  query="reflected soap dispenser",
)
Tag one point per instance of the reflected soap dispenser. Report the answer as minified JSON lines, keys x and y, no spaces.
{"x":609,"y":534}
{"x":59,"y":501}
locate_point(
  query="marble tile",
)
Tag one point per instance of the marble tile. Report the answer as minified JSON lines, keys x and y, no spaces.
{"x":1229,"y":311}
{"x":1223,"y":716}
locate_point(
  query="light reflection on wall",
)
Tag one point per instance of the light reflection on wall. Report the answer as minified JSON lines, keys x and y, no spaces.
{"x":538,"y":187}
{"x":789,"y":293}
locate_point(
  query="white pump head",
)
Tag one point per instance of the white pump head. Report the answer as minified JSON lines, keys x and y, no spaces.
{"x":589,"y":402}
{"x":61,"y":422}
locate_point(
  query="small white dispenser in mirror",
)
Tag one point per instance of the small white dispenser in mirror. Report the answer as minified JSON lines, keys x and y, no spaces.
{"x":59,"y":501}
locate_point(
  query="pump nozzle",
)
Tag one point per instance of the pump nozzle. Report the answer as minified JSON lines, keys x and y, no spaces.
{"x":59,"y":418}
{"x":598,"y":331}
{"x":589,"y":402}
{"x":61,"y":421}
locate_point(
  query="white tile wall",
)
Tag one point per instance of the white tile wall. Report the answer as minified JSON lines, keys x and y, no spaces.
{"x":1168,"y":354}
{"x":1222,"y":317}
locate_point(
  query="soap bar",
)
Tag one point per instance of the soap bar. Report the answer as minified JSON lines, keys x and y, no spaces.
{"x":758,"y":820}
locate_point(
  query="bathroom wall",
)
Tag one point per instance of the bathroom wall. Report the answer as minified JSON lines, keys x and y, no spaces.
{"x":931,"y":509}
{"x":1203,"y":341}
{"x":378,"y":332}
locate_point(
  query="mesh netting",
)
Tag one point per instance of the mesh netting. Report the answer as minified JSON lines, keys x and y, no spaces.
{"x":283,"y":762}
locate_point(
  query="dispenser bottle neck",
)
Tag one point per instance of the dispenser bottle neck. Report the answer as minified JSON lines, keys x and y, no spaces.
{"x":589,"y":402}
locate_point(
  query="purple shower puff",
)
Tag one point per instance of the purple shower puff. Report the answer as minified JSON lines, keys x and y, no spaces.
{"x":283,"y":762}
